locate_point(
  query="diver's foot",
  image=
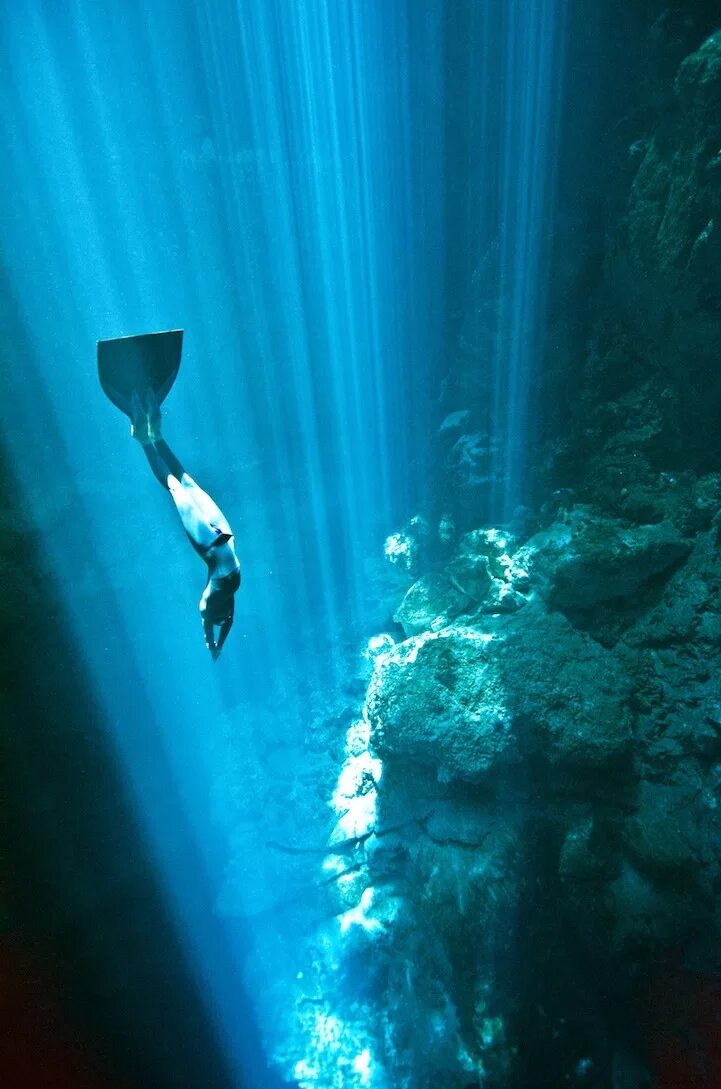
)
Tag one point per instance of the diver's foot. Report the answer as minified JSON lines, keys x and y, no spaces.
{"x":145,"y":425}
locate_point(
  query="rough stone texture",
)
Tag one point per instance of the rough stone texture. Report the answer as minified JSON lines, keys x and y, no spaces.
{"x":646,"y":401}
{"x":439,"y":699}
{"x":589,"y":558}
{"x":430,"y":603}
{"x":544,"y":799}
{"x":468,"y":702}
{"x":675,"y":195}
{"x":470,"y":572}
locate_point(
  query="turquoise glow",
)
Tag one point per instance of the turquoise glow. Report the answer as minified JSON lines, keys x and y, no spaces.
{"x":306,"y":187}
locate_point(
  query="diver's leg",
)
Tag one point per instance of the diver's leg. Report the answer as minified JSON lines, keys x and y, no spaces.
{"x":163,"y":462}
{"x":170,"y":473}
{"x":207,"y":507}
{"x":199,"y":528}
{"x":146,"y":430}
{"x":202,"y":519}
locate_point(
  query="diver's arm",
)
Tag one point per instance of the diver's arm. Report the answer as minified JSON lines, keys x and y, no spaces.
{"x":213,"y":645}
{"x":223,"y":633}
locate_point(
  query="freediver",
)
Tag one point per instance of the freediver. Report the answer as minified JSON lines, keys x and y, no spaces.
{"x":137,"y":374}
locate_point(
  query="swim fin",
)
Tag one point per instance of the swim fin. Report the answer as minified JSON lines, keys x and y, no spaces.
{"x":128,"y":365}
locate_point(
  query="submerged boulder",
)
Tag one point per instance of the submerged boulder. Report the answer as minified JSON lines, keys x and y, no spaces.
{"x":468,"y":702}
{"x":431,"y":603}
{"x":660,"y":837}
{"x":470,"y":573}
{"x":438,"y":699}
{"x":493,"y":545}
{"x":587,"y":558}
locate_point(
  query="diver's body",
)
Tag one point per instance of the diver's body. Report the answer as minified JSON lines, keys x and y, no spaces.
{"x":205,"y":524}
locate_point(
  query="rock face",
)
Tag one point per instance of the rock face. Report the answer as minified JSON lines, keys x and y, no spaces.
{"x":438,"y":700}
{"x":601,"y":571}
{"x":528,"y":822}
{"x":646,"y":400}
{"x":469,"y":703}
{"x":671,"y":222}
{"x":583,"y":560}
{"x":430,"y":604}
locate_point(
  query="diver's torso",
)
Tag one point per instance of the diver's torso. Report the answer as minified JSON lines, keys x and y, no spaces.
{"x":216,"y":601}
{"x":222,"y":560}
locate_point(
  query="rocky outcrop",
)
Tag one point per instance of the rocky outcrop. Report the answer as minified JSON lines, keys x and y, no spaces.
{"x":675,"y":198}
{"x":646,"y":404}
{"x":522,"y":792}
{"x":470,"y":703}
{"x":585,"y":560}
{"x":430,"y":603}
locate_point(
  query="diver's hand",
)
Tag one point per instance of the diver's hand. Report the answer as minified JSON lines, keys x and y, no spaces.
{"x":210,"y":640}
{"x":215,"y":645}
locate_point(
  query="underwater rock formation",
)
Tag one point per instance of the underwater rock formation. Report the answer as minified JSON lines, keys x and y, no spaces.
{"x":584,"y":560}
{"x":528,"y":821}
{"x":469,"y":702}
{"x":645,"y":419}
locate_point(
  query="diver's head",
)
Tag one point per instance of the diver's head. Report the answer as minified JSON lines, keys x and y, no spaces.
{"x":217,"y":612}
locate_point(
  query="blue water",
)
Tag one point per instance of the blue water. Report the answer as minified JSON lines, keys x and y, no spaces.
{"x":307,"y":188}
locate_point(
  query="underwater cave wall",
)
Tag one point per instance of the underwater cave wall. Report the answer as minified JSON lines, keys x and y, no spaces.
{"x":631,"y":383}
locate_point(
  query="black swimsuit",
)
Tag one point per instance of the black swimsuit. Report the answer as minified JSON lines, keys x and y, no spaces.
{"x":226,"y":584}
